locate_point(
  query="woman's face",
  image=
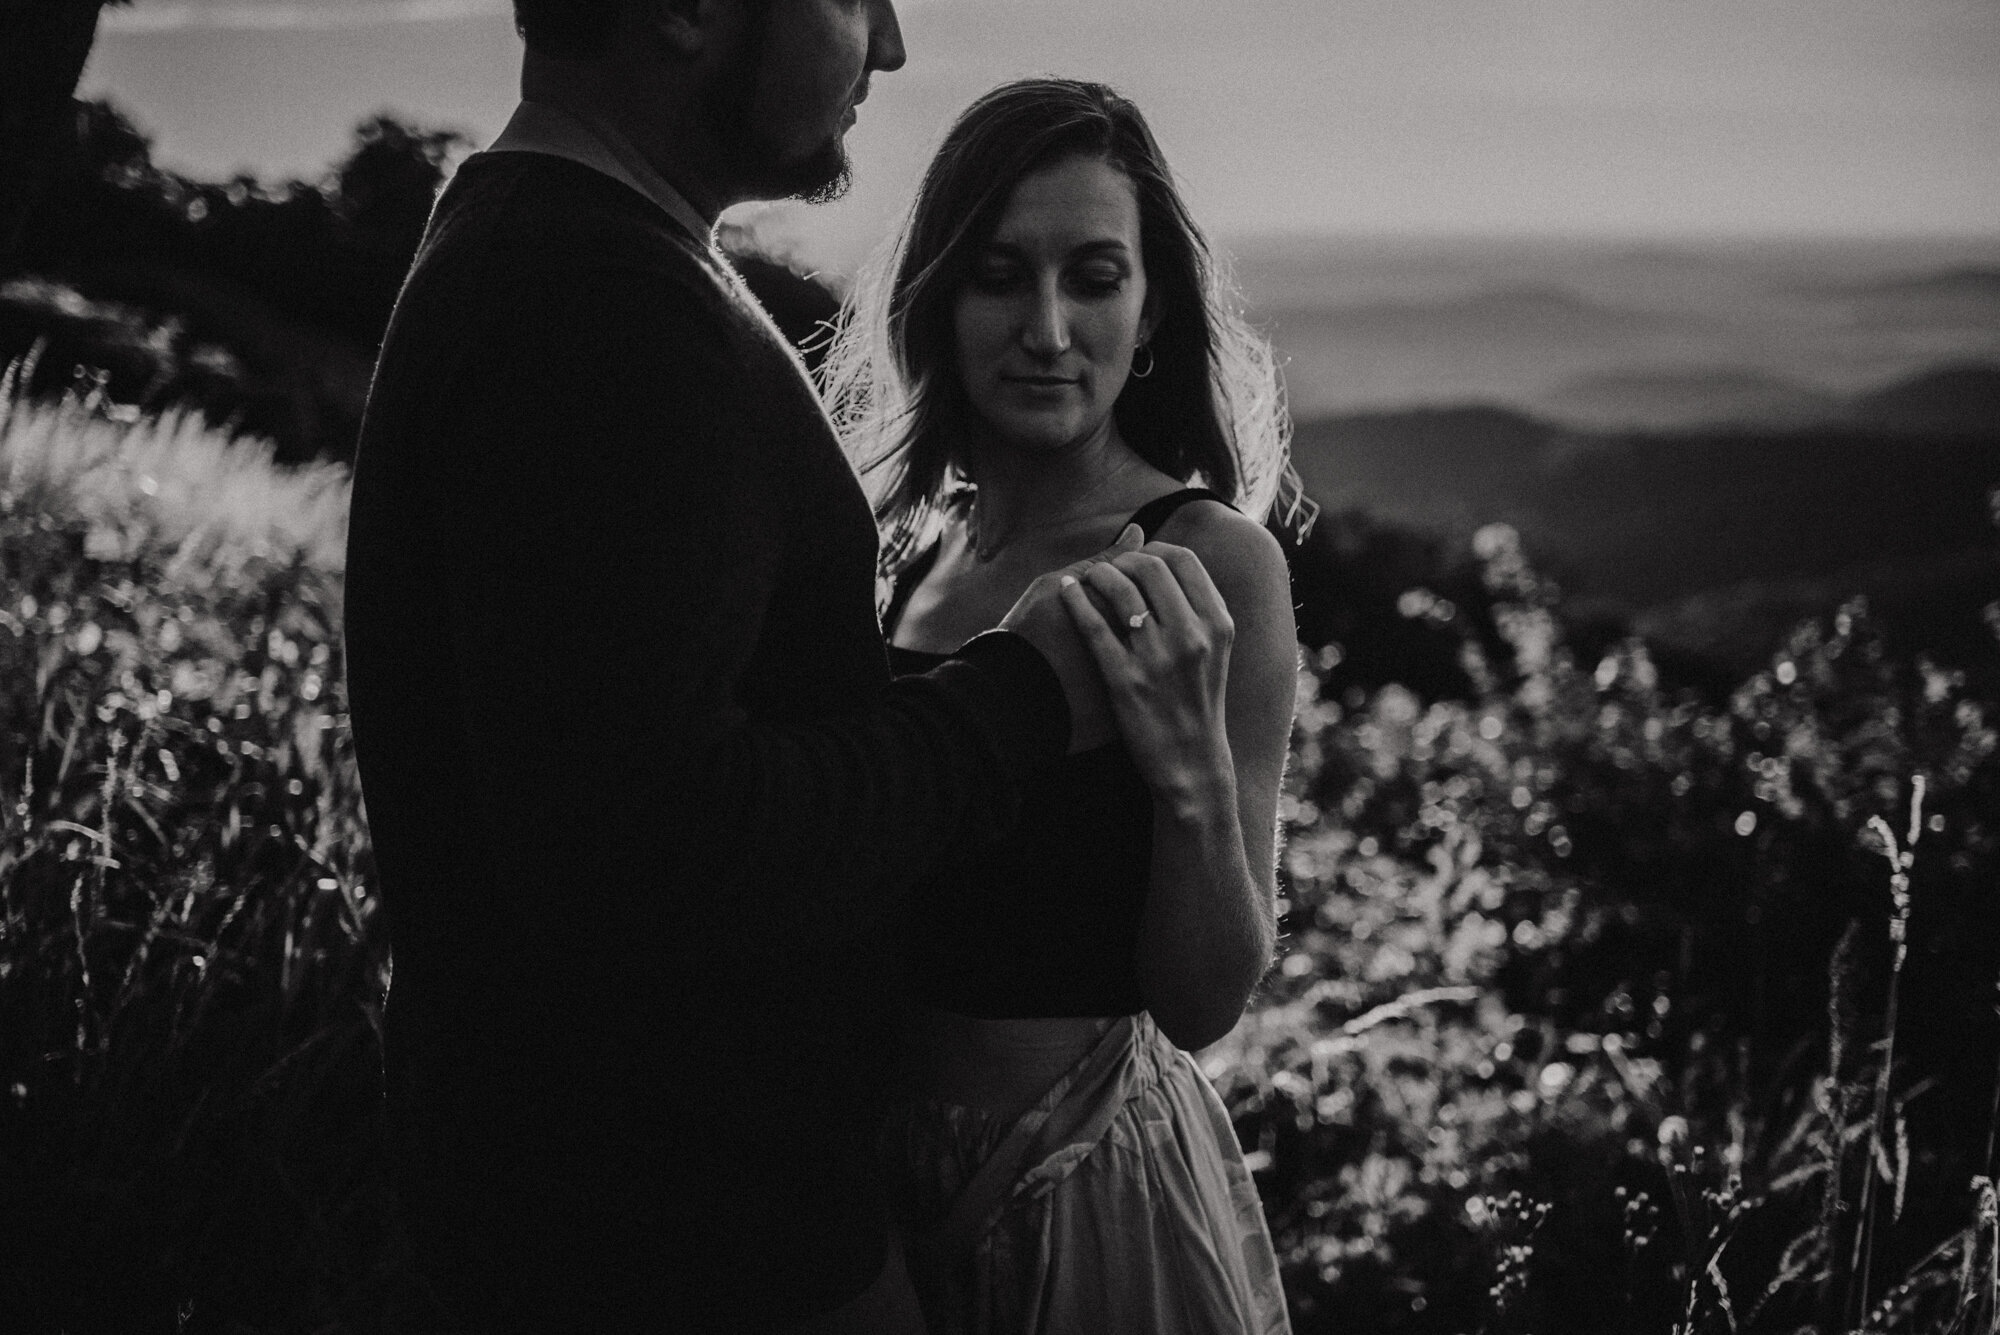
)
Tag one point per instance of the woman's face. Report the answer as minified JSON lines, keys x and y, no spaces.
{"x":1053,"y":306}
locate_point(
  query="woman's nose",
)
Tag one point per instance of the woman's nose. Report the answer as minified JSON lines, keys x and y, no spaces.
{"x":1045,"y":326}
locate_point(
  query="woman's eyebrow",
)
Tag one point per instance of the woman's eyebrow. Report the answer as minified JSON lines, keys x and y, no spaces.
{"x":1106,"y":245}
{"x":1102,"y":245}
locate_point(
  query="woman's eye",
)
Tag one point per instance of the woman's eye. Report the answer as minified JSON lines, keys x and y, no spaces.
{"x":1100,"y":282}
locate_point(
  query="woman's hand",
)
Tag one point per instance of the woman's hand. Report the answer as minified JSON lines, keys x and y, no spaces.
{"x":1160,"y":634}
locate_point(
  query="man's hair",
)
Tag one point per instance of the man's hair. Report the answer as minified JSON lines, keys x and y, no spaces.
{"x":578,"y":29}
{"x":568,"y":28}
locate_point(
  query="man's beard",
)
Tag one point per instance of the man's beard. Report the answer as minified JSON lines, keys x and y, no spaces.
{"x":820,"y":177}
{"x":729,"y":106}
{"x":828,"y":171}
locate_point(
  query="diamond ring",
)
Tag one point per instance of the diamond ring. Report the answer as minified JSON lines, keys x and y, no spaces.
{"x":1138,"y":619}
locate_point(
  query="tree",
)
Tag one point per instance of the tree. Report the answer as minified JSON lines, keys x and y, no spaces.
{"x":43,"y":47}
{"x":388,"y":182}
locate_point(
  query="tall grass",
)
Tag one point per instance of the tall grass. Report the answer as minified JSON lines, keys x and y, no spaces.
{"x":171,"y":488}
{"x":190,"y":968}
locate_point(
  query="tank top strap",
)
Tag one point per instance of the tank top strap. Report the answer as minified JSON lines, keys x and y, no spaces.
{"x":1153,"y":515}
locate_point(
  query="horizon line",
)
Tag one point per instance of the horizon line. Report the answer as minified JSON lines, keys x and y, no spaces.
{"x":1608,"y":234}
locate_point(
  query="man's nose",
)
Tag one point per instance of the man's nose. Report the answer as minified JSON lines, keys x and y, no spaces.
{"x":885,"y":38}
{"x":1045,"y":325}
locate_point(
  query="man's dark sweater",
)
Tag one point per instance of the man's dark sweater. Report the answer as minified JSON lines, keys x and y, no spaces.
{"x":642,"y":791}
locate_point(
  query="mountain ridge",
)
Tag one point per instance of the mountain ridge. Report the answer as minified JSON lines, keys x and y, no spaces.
{"x":1639,"y":523}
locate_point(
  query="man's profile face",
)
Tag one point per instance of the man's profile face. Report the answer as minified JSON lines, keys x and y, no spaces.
{"x":784,"y":99}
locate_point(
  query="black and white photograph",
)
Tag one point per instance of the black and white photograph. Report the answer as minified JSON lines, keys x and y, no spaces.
{"x":1000,"y":667}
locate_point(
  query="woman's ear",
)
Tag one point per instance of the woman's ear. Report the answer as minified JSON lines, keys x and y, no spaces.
{"x":1149,"y":315}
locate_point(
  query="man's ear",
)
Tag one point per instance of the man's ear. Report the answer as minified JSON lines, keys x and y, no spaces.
{"x":685,"y":27}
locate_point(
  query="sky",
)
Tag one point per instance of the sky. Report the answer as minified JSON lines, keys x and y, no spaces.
{"x":1616,"y":118}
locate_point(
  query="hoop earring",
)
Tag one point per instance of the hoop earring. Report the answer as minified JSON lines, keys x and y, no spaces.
{"x":1137,"y":374}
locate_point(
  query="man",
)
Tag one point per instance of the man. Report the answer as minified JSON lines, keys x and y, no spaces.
{"x":642,"y":794}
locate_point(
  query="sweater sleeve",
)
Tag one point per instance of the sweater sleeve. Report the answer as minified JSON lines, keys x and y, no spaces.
{"x":622,"y":517}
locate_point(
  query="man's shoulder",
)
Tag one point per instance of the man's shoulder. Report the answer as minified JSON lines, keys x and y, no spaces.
{"x":542,"y":186}
{"x":525,"y":217}
{"x":532,"y":246}
{"x":543,"y":280}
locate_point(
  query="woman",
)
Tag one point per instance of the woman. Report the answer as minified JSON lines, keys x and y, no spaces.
{"x":1047,"y":359}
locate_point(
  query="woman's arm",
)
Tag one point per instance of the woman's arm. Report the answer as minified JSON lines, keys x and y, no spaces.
{"x":1209,"y":926}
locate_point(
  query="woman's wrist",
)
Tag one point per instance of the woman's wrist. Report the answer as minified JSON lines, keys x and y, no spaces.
{"x":1197,"y":796}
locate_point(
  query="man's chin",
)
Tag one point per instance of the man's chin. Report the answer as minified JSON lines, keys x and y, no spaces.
{"x":822,"y":177}
{"x":761,"y":169}
{"x":819,"y":178}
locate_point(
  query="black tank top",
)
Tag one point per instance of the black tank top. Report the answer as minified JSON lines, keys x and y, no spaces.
{"x":1045,"y":923}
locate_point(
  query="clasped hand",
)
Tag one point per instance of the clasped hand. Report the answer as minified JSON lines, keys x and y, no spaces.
{"x":1140,"y":639}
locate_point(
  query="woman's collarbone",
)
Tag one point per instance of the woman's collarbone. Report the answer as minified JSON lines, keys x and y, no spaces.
{"x":964,"y":595}
{"x":959,"y":602}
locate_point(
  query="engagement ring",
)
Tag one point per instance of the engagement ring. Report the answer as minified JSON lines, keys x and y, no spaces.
{"x":1138,"y":619}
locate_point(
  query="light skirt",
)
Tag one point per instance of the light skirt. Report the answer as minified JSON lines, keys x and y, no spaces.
{"x":1118,"y":1202}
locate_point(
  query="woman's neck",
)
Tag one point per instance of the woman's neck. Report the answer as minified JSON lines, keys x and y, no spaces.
{"x":1022,"y":492}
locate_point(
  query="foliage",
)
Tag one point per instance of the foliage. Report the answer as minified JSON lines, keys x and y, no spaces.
{"x":260,"y":301}
{"x":43,"y":49}
{"x":1542,"y":1038}
{"x":330,"y":252}
{"x":264,"y":299}
{"x":392,"y":175}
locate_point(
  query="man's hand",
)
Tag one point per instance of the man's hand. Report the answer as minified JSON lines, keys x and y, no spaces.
{"x":1040,"y":618}
{"x":1167,"y":675}
{"x":1160,"y":635}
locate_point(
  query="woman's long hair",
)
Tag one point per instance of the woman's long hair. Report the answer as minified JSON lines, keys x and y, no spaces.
{"x":1211,"y":411}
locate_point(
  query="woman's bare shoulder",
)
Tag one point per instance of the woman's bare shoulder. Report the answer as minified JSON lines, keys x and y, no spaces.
{"x":1240,"y":554}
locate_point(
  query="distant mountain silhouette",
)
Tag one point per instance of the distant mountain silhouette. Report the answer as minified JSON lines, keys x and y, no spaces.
{"x":1777,"y":519}
{"x":1958,"y":399}
{"x":1974,"y":280}
{"x":1966,"y":297}
{"x":1670,"y":400}
{"x":1962,"y":399}
{"x":1931,"y":603}
{"x":1518,"y":310}
{"x":1445,"y":469}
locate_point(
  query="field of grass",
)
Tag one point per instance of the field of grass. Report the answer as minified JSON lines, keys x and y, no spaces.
{"x":190,"y":966}
{"x":1603,"y":1006}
